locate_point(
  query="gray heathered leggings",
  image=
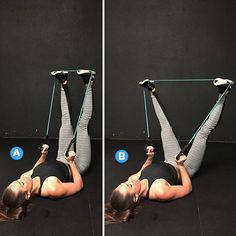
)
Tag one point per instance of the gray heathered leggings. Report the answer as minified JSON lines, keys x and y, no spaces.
{"x":83,"y":145}
{"x":171,"y":146}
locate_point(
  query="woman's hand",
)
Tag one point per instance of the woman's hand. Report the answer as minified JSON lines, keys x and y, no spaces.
{"x":150,"y":151}
{"x":71,"y":157}
{"x":150,"y":154}
{"x":181,"y":159}
{"x":45,"y":148}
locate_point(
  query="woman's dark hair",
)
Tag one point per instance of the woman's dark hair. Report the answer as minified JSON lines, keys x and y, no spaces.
{"x":120,"y":209}
{"x":13,"y":206}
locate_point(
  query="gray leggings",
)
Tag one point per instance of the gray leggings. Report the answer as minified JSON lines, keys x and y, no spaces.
{"x":171,"y":146}
{"x":83,"y":145}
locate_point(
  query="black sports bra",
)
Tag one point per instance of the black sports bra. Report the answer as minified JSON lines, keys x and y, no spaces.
{"x":51,"y":168}
{"x":160,"y":170}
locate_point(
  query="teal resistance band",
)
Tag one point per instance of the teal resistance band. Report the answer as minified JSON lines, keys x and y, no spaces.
{"x":73,"y":70}
{"x":49,"y":116}
{"x":204,"y":121}
{"x":50,"y":110}
{"x":81,"y":111}
{"x":70,"y":70}
{"x":146,"y":113}
{"x":184,"y":80}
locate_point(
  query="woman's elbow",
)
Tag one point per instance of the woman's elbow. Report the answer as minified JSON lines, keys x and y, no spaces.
{"x":190,"y":188}
{"x":81,"y":185}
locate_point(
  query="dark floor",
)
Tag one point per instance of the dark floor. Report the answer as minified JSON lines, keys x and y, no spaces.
{"x":76,"y":215}
{"x":210,"y":210}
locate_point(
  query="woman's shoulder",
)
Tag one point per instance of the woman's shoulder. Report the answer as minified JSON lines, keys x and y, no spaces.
{"x":159,"y":190}
{"x":50,"y":185}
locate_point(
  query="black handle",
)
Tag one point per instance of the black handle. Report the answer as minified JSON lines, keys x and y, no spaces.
{"x":69,"y":146}
{"x":148,"y":143}
{"x":183,"y":150}
{"x":40,"y":147}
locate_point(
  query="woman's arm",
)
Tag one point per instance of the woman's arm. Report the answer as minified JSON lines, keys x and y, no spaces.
{"x":150,"y":155}
{"x":59,"y":189}
{"x":169,"y":192}
{"x":43,"y":155}
{"x":41,"y":159}
{"x":186,"y":181}
{"x":186,"y":187}
{"x":165,"y":192}
{"x":77,"y":179}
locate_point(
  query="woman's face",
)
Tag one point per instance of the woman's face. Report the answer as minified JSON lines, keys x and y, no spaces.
{"x":131,"y":187}
{"x":24,"y":184}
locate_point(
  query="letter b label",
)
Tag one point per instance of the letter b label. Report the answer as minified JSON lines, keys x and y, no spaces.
{"x":121,"y":156}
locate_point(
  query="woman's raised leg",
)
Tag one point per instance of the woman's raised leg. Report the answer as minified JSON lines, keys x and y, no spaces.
{"x":66,"y":130}
{"x":197,"y":150}
{"x":83,"y":144}
{"x":170,"y":143}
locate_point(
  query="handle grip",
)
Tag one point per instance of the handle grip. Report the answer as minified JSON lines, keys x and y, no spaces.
{"x":183,"y":150}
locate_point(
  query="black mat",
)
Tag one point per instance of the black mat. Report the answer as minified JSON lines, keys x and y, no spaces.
{"x":76,"y":215}
{"x":209,"y":210}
